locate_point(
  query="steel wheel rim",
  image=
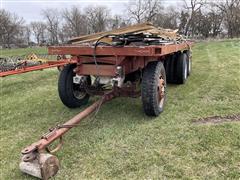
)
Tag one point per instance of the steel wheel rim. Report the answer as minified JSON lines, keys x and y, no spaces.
{"x":161,"y":91}
{"x":78,"y":93}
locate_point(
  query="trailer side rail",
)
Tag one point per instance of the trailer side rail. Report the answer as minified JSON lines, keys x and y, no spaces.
{"x":159,"y":50}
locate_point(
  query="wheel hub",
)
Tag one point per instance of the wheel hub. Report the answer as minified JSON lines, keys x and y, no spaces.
{"x":79,"y":94}
{"x":79,"y":88}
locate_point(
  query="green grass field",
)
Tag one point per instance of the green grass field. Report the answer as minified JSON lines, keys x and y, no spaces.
{"x":123,"y":143}
{"x":21,"y":52}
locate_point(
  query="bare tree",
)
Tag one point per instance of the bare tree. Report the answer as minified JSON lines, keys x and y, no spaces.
{"x":184,"y":17}
{"x":64,"y":34}
{"x":38,"y":28}
{"x":192,"y":7}
{"x":10,"y":27}
{"x":231,"y":11}
{"x":52,"y":22}
{"x":75,"y":21}
{"x":117,"y":21}
{"x":203,"y":23}
{"x":23,"y":37}
{"x":143,"y":10}
{"x":98,"y":17}
{"x":27,"y":34}
{"x":215,"y":16}
{"x":168,"y":18}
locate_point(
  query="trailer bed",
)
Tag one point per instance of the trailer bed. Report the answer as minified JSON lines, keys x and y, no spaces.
{"x":103,"y":60}
{"x":153,"y":50}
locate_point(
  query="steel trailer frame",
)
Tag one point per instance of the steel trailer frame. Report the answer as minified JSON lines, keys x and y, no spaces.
{"x":131,"y":58}
{"x":100,"y":61}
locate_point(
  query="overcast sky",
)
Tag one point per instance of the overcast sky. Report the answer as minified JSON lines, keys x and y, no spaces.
{"x":30,"y":10}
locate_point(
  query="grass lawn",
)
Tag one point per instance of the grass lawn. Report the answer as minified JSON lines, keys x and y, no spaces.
{"x":22,"y":51}
{"x":123,"y":143}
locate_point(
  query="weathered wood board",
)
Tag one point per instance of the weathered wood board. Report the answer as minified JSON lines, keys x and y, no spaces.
{"x":144,"y":28}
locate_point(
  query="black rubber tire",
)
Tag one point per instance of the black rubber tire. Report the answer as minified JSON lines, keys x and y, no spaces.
{"x":170,"y":68}
{"x":150,"y":85}
{"x":66,"y":88}
{"x":181,"y":69}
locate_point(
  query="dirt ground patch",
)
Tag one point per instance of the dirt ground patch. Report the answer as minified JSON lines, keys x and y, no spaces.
{"x":217,"y":119}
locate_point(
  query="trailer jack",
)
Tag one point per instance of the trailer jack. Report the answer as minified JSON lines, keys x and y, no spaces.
{"x":38,"y":159}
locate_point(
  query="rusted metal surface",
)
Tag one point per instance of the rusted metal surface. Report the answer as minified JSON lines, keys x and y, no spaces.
{"x":129,"y":64}
{"x":103,"y":70}
{"x":131,"y":58}
{"x":156,"y":51}
{"x":105,"y":60}
{"x":56,"y":133}
{"x":59,"y":131}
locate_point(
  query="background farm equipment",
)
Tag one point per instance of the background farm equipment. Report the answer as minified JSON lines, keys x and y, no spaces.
{"x":32,"y":62}
{"x":18,"y":62}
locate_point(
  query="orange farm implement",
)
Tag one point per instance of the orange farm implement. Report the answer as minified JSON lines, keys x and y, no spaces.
{"x":28,"y":64}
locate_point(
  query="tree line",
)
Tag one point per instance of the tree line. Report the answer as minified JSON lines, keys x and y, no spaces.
{"x":194,"y":18}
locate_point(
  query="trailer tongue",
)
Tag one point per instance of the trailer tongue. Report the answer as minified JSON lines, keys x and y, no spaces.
{"x":37,"y":159}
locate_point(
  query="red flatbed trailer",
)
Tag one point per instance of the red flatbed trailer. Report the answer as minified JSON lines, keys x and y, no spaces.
{"x":154,"y":50}
{"x":123,"y":68}
{"x":132,"y":58}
